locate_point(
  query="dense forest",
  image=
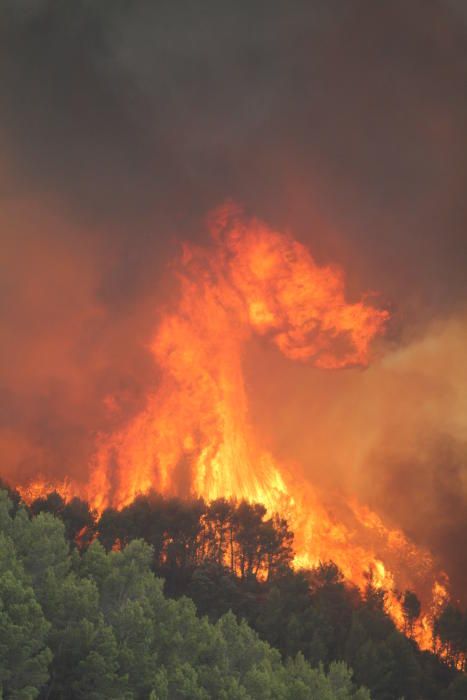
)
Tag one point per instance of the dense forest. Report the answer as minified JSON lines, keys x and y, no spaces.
{"x":171,"y":598}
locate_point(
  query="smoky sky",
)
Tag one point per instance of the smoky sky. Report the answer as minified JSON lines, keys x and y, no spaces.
{"x":142,"y":116}
{"x":121,"y":126}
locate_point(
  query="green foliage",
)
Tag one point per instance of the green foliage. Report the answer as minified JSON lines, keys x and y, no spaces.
{"x":24,"y":656}
{"x":99,"y":626}
{"x":93,"y":620}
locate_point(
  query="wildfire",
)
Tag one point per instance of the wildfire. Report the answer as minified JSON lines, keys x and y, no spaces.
{"x":41,"y":487}
{"x":196,"y":426}
{"x":195,"y":429}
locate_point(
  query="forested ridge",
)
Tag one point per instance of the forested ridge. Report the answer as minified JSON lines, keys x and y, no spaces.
{"x":171,"y":598}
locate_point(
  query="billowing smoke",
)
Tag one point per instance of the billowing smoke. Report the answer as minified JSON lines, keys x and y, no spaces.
{"x":123,"y":124}
{"x":395,"y":433}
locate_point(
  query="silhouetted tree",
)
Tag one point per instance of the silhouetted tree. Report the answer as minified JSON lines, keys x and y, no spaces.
{"x":218,"y":527}
{"x":52,"y":503}
{"x":450,"y":631}
{"x":79,"y":521}
{"x":111,"y":528}
{"x":145,"y":518}
{"x":374,"y":596}
{"x":411,"y":609}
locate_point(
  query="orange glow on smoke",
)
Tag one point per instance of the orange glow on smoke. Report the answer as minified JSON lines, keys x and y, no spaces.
{"x":194,"y":434}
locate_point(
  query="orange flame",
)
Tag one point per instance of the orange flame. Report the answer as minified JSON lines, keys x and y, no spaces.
{"x":194,"y":434}
{"x":41,"y":487}
{"x":195,"y":426}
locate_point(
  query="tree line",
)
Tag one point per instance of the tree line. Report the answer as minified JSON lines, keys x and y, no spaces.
{"x":95,"y":624}
{"x":234,"y":563}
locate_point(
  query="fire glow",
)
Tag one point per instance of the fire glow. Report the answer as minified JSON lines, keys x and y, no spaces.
{"x":195,"y":434}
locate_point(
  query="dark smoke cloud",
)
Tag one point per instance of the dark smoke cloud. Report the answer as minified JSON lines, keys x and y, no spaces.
{"x":430,"y":479}
{"x":122,"y":124}
{"x":144,"y":115}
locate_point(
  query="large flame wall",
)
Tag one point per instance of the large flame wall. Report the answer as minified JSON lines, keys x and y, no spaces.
{"x":195,"y":434}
